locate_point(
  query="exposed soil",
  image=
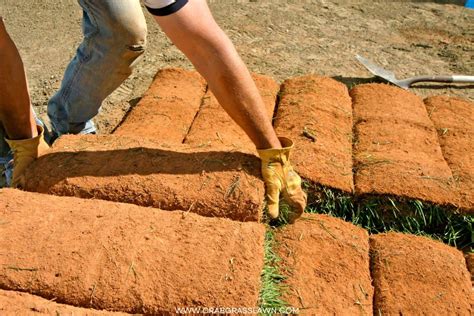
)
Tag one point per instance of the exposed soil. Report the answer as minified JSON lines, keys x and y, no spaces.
{"x":418,"y":276}
{"x":470,"y":267}
{"x":122,"y":257}
{"x":213,"y":126}
{"x":17,"y":303}
{"x":454,"y":121}
{"x":316,"y":112}
{"x":219,"y":182}
{"x":326,"y":261}
{"x":395,"y":153}
{"x":168,"y":108}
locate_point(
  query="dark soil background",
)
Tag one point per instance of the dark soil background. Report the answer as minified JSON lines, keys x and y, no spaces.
{"x":274,"y":38}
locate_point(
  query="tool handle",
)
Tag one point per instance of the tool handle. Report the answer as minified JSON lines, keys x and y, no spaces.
{"x":454,"y":78}
{"x":461,"y":78}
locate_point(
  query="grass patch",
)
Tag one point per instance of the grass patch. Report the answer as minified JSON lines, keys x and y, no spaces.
{"x":272,"y":288}
{"x":380,"y":214}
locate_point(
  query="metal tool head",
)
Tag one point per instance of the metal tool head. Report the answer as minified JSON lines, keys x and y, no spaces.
{"x":380,"y":72}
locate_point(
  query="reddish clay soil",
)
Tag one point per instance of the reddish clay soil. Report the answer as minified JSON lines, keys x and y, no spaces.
{"x":454,"y":121}
{"x":316,"y":112}
{"x":213,"y":126}
{"x":470,"y":267}
{"x":327,"y":264}
{"x":167,"y":110}
{"x":418,"y":276}
{"x":396,"y":148}
{"x":17,"y":303}
{"x":122,"y":257}
{"x":217,"y":183}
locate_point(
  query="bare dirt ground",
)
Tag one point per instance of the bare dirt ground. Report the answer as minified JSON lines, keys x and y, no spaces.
{"x":274,"y":38}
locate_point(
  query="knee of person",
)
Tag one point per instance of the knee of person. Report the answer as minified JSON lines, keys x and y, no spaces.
{"x":134,"y":37}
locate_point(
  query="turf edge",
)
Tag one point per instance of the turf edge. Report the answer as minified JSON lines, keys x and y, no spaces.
{"x":388,"y":213}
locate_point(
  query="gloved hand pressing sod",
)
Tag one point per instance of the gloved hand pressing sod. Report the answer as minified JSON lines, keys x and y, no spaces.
{"x":25,"y":151}
{"x":279,"y":177}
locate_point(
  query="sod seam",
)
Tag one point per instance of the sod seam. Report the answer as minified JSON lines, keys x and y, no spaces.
{"x":380,"y":214}
{"x":272,"y":288}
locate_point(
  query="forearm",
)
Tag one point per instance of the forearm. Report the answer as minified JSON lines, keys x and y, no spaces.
{"x":215,"y":57}
{"x":232,"y":84}
{"x":15,"y":110}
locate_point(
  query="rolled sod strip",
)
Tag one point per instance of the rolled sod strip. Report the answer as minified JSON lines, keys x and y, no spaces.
{"x":327,"y":266}
{"x":316,"y":112}
{"x":121,"y":257}
{"x":167,"y":110}
{"x":17,"y":303}
{"x":396,"y":149}
{"x":217,"y":182}
{"x":418,"y":276}
{"x":214,"y":127}
{"x":454,"y":122}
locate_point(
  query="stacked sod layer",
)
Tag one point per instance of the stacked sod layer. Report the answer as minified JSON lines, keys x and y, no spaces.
{"x":316,"y":112}
{"x":123,"y":257}
{"x":216,"y":183}
{"x":453,"y":119}
{"x":167,"y":110}
{"x":401,"y":177}
{"x":326,"y":262}
{"x":396,"y":149}
{"x":415,"y":275}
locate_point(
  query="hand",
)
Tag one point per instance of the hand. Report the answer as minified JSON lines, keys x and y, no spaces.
{"x":24,"y":153}
{"x":279,"y":177}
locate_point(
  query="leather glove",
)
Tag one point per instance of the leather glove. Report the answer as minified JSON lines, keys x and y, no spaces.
{"x":279,"y":177}
{"x":25,"y":151}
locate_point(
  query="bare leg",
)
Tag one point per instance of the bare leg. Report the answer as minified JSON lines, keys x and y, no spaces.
{"x":15,"y":109}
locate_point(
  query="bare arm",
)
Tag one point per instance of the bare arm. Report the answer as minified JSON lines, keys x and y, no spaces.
{"x":15,"y":109}
{"x":194,"y":31}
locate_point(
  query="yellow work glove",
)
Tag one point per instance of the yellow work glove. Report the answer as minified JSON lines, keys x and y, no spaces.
{"x":279,"y":176}
{"x":25,"y":151}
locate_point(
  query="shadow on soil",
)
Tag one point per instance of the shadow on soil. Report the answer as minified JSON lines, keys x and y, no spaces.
{"x":132,"y":103}
{"x":55,"y":167}
{"x":351,"y":82}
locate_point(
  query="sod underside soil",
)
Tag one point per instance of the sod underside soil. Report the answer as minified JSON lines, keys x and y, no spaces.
{"x":17,"y":303}
{"x":418,"y":276}
{"x":178,"y":150}
{"x":218,"y":183}
{"x":123,"y":257}
{"x":167,"y":110}
{"x":316,"y":113}
{"x":396,"y":148}
{"x":326,"y":265}
{"x":453,"y":119}
{"x":470,"y":267}
{"x":214,"y":127}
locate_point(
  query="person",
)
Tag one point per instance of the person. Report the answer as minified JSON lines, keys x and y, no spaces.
{"x":24,"y":135}
{"x":115,"y":38}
